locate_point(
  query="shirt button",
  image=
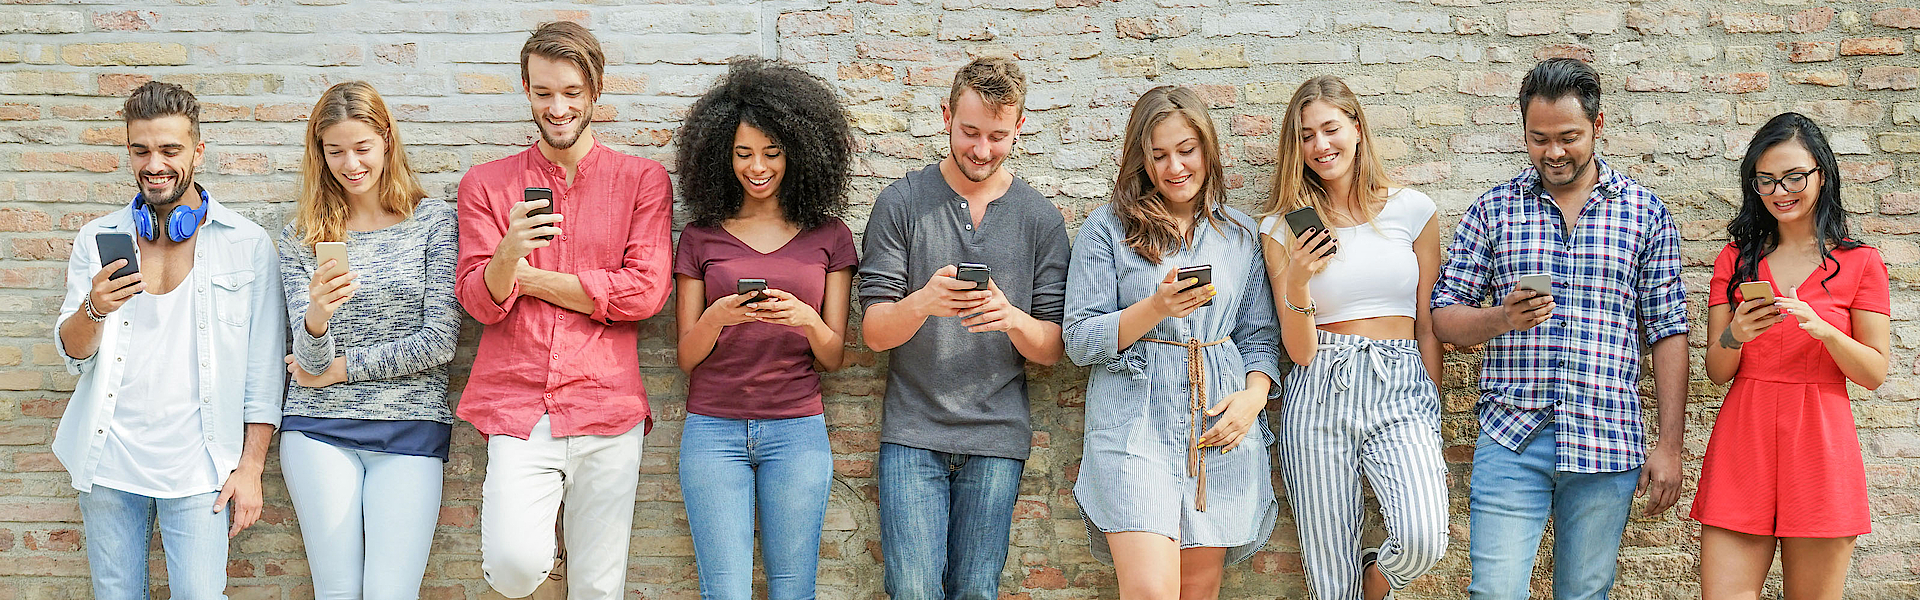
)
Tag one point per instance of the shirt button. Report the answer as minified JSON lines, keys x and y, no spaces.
{"x":109,"y":394}
{"x":209,"y":437}
{"x":548,"y":395}
{"x":963,"y":205}
{"x":118,"y":359}
{"x":99,"y":432}
{"x":556,"y":356}
{"x":969,"y":228}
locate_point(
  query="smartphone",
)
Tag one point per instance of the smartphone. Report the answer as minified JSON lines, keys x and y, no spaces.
{"x":334,"y":251}
{"x":757,"y":286}
{"x":1756,"y":289}
{"x":974,"y":272}
{"x":538,"y":193}
{"x":1539,"y":282}
{"x":116,"y":246}
{"x":1304,"y":219}
{"x":1204,"y":273}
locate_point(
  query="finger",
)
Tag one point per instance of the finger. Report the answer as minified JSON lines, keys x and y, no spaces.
{"x":1233,"y":443}
{"x":221,"y":502}
{"x":1640,"y":489}
{"x":948,"y":271}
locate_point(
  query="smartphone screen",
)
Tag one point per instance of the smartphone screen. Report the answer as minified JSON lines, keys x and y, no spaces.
{"x":538,"y":193}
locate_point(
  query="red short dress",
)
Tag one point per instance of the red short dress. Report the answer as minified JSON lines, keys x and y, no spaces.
{"x":1784,"y":459}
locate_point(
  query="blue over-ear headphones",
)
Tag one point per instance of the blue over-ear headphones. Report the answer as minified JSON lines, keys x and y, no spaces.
{"x":181,"y":223}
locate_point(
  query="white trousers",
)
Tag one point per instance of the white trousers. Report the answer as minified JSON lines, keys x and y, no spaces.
{"x":366,"y":517}
{"x":527,"y":479}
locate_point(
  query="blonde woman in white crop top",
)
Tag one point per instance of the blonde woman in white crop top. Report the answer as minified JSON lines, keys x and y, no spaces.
{"x":1354,"y":319}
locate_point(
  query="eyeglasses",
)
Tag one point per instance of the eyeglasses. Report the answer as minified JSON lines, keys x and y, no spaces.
{"x":1793,"y":183}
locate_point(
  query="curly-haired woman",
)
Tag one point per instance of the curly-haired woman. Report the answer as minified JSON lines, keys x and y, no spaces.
{"x":764,"y":170}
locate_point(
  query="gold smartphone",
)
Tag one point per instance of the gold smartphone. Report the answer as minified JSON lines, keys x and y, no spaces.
{"x":1756,"y":289}
{"x":334,"y":251}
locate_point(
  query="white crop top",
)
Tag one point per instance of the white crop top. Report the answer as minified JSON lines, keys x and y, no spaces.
{"x":1375,"y":273}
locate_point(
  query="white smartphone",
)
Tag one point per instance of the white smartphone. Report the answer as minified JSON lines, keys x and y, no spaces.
{"x":1539,"y":282}
{"x":334,"y":251}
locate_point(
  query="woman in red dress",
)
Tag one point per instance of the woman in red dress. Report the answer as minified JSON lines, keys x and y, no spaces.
{"x":1783,"y":468}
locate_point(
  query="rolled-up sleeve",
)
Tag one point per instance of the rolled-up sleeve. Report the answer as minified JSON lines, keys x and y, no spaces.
{"x":1050,"y":279}
{"x":1091,"y":321}
{"x":1662,"y":297}
{"x":883,"y":254}
{"x":1257,"y":332}
{"x":266,"y":339}
{"x":1467,"y":273}
{"x":480,"y":231}
{"x":82,"y":264}
{"x":638,"y":288}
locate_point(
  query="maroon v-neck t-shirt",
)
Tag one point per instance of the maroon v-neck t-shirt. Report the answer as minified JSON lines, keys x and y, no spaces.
{"x":761,"y":370}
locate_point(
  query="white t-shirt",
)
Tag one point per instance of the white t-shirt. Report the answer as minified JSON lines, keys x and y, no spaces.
{"x":1375,"y":272}
{"x":154,"y":446}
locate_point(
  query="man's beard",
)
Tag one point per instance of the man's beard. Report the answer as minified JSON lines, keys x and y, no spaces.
{"x":579,"y":127}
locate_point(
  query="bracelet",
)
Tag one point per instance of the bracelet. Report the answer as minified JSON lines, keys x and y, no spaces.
{"x":87,"y":305}
{"x":1311,"y":308}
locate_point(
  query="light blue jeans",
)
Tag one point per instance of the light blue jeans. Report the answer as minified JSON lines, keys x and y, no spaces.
{"x":119,"y":526}
{"x":366,"y":517}
{"x":944,"y":522}
{"x":732,"y":470}
{"x":1513,"y":495}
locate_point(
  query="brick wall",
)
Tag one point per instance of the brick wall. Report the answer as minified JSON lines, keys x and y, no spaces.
{"x":1685,"y":83}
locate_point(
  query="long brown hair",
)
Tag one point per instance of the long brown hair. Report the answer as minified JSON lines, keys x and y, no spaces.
{"x":322,"y":212}
{"x":1151,"y":230}
{"x":1295,"y":185}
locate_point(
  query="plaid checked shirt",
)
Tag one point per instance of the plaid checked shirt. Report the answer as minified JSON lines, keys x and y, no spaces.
{"x":1618,"y":275}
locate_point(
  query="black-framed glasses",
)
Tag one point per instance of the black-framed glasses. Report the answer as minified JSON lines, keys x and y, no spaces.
{"x":1793,"y":183}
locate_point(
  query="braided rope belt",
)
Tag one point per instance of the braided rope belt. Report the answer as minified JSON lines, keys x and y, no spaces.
{"x":1197,"y":407}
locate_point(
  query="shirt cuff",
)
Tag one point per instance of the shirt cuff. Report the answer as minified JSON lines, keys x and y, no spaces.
{"x":596,"y":284}
{"x":313,"y":354}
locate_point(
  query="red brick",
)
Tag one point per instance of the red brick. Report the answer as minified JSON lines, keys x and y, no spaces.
{"x":35,"y":462}
{"x":1855,"y":172}
{"x":1580,"y":52}
{"x":1889,"y":78}
{"x":97,"y":162}
{"x":810,"y":23}
{"x":1833,"y":78}
{"x":47,"y":408}
{"x":1898,"y":18}
{"x":1872,"y":47}
{"x":1735,"y":83}
{"x":1218,"y":96}
{"x":1805,"y":52}
{"x":41,"y":510}
{"x":17,"y":219}
{"x":1900,"y":203}
{"x":1252,"y":125}
{"x":1811,"y":20}
{"x":1753,"y":23}
{"x":14,"y":111}
{"x":1423,"y":173}
{"x":1660,"y":81}
{"x":125,"y":20}
{"x":876,"y":71}
{"x":25,"y":435}
{"x":1152,"y":27}
{"x":1488,"y":84}
{"x":288,"y":112}
{"x":42,"y":248}
{"x":1044,"y":578}
{"x":120,"y":84}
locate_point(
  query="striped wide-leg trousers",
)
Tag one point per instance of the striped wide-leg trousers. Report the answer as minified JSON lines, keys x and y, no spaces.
{"x":1363,"y":407}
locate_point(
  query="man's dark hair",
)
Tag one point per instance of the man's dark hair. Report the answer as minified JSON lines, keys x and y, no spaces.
{"x":1557,"y":78}
{"x":153,"y":100}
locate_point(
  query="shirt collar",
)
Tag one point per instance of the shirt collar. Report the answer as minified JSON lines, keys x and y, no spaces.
{"x":549,"y":167}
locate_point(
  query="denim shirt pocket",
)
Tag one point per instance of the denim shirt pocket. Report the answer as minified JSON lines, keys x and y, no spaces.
{"x":232,"y":297}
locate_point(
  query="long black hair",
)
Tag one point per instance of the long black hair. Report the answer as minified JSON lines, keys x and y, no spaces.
{"x":796,"y":110}
{"x":1754,"y":230}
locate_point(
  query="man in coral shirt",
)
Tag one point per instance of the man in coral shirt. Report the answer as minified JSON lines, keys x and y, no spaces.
{"x":556,"y":387}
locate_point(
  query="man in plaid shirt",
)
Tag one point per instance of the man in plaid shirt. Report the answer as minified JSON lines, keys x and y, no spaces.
{"x":1560,"y":413}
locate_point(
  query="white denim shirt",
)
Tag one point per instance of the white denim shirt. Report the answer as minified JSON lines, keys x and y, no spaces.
{"x":242,"y":341}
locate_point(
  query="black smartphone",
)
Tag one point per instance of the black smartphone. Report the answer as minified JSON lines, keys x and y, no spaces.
{"x":974,"y":272}
{"x":116,"y":246}
{"x":537,"y":193}
{"x":1204,"y":273}
{"x":1305,"y":219}
{"x":757,"y":286}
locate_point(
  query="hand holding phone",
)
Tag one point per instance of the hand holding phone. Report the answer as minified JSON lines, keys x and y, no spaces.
{"x":1304,"y":221}
{"x":1756,"y":290}
{"x":757,"y":286}
{"x":974,"y":272}
{"x":1530,"y":303}
{"x":1202,"y":274}
{"x":1178,"y":295}
{"x":330,"y":251}
{"x":1757,"y":311}
{"x":112,"y":288}
{"x":539,"y":193}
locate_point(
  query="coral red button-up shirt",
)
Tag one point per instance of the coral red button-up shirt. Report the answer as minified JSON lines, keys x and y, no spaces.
{"x":583,"y":370}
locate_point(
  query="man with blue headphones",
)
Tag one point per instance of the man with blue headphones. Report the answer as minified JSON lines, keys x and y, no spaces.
{"x":179,"y":363}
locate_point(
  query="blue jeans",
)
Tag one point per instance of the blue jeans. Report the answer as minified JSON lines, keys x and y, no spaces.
{"x":1513,"y":495}
{"x":731,"y":469}
{"x":119,"y":525}
{"x":944,"y":522}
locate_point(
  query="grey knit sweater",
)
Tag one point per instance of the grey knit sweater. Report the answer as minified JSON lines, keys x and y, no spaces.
{"x":397,"y":332}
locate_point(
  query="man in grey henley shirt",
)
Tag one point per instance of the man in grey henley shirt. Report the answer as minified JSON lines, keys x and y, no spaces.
{"x":955,"y":431}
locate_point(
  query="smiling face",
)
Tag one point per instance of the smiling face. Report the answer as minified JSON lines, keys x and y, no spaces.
{"x":1176,"y":161}
{"x":758,"y":163}
{"x":1329,"y":141}
{"x":356,"y":156}
{"x":980,"y":135}
{"x":562,"y":101}
{"x":163,"y":155}
{"x":1560,"y":139}
{"x":1786,"y":166}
